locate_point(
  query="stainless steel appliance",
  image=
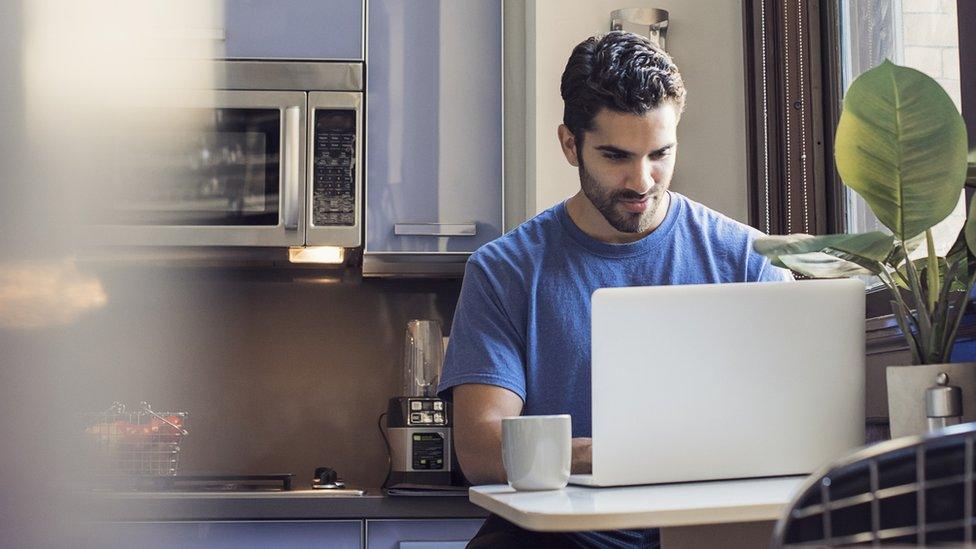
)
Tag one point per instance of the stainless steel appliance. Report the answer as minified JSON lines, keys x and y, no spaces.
{"x":419,"y":433}
{"x":271,"y":157}
{"x":418,"y":423}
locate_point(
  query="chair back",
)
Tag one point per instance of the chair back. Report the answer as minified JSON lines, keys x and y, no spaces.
{"x":911,"y":490}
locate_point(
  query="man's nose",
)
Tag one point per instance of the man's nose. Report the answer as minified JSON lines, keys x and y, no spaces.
{"x":641,"y":179}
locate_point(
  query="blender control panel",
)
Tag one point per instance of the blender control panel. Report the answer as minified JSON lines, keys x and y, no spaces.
{"x":425,"y":412}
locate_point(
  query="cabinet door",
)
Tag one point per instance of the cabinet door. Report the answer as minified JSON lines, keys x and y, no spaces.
{"x":420,"y":534}
{"x":294,"y":29}
{"x":434,"y":125}
{"x":297,"y":534}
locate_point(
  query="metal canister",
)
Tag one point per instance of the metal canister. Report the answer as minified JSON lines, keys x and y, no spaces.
{"x":943,"y":403}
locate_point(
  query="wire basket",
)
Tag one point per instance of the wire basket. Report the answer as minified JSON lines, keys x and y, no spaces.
{"x":138,"y":442}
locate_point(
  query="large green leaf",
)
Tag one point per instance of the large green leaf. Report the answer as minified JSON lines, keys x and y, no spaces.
{"x":822,"y":265}
{"x":901,"y":145}
{"x":830,"y":256}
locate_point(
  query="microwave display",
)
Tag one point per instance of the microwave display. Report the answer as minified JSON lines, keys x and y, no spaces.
{"x":334,"y":168}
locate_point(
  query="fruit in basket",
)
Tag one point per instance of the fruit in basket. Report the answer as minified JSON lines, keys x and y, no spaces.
{"x":107,"y":430}
{"x":167,"y":429}
{"x":123,"y":431}
{"x":138,"y":432}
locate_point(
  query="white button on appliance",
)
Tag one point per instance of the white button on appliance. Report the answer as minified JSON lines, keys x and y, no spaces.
{"x":416,"y":405}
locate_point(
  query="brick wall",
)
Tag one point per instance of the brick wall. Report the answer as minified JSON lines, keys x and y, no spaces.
{"x":930,"y":41}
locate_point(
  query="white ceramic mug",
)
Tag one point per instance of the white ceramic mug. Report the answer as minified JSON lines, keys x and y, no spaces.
{"x":537,"y":451}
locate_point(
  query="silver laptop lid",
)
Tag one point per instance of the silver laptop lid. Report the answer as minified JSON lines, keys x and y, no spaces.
{"x":723,"y":381}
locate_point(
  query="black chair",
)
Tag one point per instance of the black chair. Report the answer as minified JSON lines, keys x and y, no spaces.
{"x":907,"y":491}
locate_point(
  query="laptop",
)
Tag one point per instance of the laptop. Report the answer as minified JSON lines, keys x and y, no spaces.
{"x":725,"y":381}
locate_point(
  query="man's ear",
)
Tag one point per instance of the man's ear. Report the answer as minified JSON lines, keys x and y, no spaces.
{"x":568,"y":143}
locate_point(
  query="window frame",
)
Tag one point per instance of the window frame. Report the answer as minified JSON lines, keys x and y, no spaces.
{"x":815,"y":53}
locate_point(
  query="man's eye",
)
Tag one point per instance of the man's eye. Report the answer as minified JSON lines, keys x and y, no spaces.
{"x":614,"y":156}
{"x":662,"y":154}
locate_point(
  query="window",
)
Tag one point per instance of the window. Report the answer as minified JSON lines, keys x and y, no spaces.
{"x":922,"y":34}
{"x":800,"y":57}
{"x":789,"y":112}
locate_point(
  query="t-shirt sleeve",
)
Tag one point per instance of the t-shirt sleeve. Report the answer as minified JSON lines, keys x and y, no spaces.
{"x":771,"y":273}
{"x":485,"y":346}
{"x":759,"y":268}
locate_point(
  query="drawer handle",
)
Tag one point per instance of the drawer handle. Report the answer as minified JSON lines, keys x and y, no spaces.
{"x":435,"y":229}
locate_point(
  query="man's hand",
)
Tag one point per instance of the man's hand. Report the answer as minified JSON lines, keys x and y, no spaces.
{"x":582,"y":456}
{"x":478,"y":413}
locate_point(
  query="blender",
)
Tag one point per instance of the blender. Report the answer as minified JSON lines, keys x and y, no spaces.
{"x":418,"y":423}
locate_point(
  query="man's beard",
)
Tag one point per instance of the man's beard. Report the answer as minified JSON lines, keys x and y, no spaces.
{"x":606,"y":203}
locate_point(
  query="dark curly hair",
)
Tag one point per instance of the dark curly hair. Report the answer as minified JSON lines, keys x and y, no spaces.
{"x":621,"y":71}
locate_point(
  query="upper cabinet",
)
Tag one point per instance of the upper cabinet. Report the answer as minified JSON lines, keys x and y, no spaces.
{"x":294,"y":29}
{"x":433,"y":126}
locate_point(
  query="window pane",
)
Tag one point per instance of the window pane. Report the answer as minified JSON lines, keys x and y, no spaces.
{"x":922,"y":34}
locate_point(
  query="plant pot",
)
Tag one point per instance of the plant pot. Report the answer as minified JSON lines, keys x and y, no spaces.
{"x":906,"y":394}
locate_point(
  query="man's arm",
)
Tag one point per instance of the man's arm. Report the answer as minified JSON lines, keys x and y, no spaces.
{"x":478,"y":413}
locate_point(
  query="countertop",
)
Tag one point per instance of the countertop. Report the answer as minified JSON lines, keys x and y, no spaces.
{"x":293,"y":505}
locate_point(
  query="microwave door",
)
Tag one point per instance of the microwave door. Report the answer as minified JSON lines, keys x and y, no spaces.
{"x":221,"y":168}
{"x":334,"y":172}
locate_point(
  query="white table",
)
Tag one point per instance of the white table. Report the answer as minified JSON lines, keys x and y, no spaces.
{"x":737,"y":513}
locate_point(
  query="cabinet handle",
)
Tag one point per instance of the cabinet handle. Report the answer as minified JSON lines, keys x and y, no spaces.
{"x":435,"y":229}
{"x":291,"y":166}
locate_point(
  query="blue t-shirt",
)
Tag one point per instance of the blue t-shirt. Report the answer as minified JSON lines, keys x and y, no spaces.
{"x":523,"y":317}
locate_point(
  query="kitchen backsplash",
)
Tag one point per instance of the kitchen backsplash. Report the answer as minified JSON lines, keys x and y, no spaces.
{"x":281,"y":370}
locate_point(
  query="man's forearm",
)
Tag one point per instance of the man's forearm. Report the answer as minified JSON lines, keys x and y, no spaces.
{"x":478,"y":413}
{"x":482,"y":462}
{"x":485,"y":465}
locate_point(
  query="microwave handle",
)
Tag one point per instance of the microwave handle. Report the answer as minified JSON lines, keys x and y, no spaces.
{"x":435,"y":229}
{"x":291,"y":164}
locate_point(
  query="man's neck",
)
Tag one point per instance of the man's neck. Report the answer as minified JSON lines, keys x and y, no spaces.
{"x":589,"y":220}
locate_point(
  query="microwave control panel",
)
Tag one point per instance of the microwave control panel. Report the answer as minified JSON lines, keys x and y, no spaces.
{"x":334,"y":168}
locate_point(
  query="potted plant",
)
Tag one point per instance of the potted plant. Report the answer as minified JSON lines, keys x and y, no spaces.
{"x":901,"y":145}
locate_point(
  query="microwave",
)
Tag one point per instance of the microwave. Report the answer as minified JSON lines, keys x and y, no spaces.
{"x":271,"y":156}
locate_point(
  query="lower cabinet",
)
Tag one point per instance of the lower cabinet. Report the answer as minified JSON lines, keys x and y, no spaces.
{"x":420,"y":534}
{"x":338,"y":534}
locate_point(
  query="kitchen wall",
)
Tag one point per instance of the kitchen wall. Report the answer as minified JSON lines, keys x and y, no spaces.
{"x":281,"y":370}
{"x":705,"y":38}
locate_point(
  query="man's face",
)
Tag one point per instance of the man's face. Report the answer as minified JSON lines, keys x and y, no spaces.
{"x":626,"y":162}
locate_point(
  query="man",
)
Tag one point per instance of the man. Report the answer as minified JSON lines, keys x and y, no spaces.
{"x":520,"y":342}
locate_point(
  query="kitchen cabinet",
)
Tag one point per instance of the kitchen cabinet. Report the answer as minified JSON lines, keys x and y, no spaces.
{"x":380,"y":533}
{"x":433,"y":126}
{"x":240,"y":534}
{"x":421,"y":534}
{"x":294,"y":29}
